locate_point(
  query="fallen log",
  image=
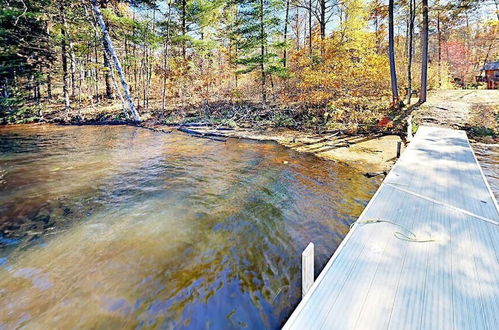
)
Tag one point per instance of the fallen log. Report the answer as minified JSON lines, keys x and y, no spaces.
{"x":205,"y":135}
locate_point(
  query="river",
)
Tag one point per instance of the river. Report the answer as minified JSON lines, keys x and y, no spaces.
{"x":118,"y":226}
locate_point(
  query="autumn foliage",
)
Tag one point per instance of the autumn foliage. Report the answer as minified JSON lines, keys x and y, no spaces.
{"x":326,"y":67}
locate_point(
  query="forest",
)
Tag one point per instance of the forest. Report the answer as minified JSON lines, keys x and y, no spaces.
{"x":334,"y":64}
{"x":249,"y":164}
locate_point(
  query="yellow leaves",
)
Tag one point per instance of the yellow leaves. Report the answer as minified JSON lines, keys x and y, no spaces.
{"x":349,"y":76}
{"x":345,"y":68}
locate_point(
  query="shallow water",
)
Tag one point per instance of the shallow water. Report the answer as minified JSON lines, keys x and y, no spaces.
{"x":124,"y":227}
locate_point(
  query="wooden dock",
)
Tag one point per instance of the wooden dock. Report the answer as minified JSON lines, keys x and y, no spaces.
{"x":424,"y":254}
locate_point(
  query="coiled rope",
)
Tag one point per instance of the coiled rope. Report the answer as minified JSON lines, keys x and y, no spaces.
{"x":409,"y":236}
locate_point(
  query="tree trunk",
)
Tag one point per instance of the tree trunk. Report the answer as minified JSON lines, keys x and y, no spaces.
{"x":5,"y":89}
{"x":439,"y":52}
{"x":262,"y":54}
{"x":165,"y":58}
{"x":424,"y":54}
{"x":64,"y":58}
{"x":134,"y":56}
{"x":322,"y":24}
{"x":96,"y":70}
{"x":391,"y":53}
{"x":235,"y":71}
{"x":410,"y":49}
{"x":150,"y":61}
{"x":72,"y":69}
{"x":297,"y":28}
{"x":115,"y":84}
{"x":107,"y":74}
{"x":49,"y":69}
{"x":310,"y":27}
{"x":376,"y":25}
{"x":286,"y":18}
{"x":107,"y":63}
{"x":117,"y":64}
{"x":33,"y":86}
{"x":49,"y":83}
{"x":184,"y":28}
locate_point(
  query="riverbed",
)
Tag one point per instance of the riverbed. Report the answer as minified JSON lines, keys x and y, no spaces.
{"x":119,"y":226}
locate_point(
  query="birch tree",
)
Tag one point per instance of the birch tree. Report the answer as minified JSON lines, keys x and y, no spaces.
{"x":100,"y":20}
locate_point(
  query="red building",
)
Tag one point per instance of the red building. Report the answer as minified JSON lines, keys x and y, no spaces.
{"x":492,"y":75}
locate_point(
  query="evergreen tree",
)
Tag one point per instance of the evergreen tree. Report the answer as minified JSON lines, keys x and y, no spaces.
{"x":25,"y":53}
{"x":258,"y":25}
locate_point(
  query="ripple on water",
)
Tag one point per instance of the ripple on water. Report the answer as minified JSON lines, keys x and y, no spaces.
{"x":124,"y":227}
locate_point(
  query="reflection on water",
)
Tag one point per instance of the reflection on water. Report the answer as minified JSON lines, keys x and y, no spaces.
{"x":488,"y":157}
{"x":124,"y":227}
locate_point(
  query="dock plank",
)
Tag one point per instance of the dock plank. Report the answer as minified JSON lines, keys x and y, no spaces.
{"x":446,"y":277}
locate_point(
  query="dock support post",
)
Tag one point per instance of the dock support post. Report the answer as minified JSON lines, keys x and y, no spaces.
{"x":399,"y":147}
{"x":307,"y":269}
{"x":409,"y":128}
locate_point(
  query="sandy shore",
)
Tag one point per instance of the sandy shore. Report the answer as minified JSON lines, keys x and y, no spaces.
{"x":368,"y":154}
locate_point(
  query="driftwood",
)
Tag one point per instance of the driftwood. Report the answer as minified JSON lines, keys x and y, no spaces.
{"x":187,"y":124}
{"x":104,"y":122}
{"x":205,"y":135}
{"x":197,"y":125}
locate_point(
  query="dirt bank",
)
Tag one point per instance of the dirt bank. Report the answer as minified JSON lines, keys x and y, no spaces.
{"x":476,"y":111}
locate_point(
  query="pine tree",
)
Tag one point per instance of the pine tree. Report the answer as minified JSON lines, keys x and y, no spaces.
{"x":26,"y":50}
{"x":258,"y":26}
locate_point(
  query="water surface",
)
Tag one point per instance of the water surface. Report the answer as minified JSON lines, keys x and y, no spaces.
{"x":125,"y":227}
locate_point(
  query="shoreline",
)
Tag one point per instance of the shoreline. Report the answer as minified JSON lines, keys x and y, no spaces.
{"x":372,"y":154}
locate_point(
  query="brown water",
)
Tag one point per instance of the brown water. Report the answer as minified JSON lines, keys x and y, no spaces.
{"x":125,"y":227}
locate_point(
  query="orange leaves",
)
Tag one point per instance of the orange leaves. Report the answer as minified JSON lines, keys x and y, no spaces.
{"x":385,"y":122}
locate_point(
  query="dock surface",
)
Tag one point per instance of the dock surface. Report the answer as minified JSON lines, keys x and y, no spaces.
{"x":424,"y":254}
